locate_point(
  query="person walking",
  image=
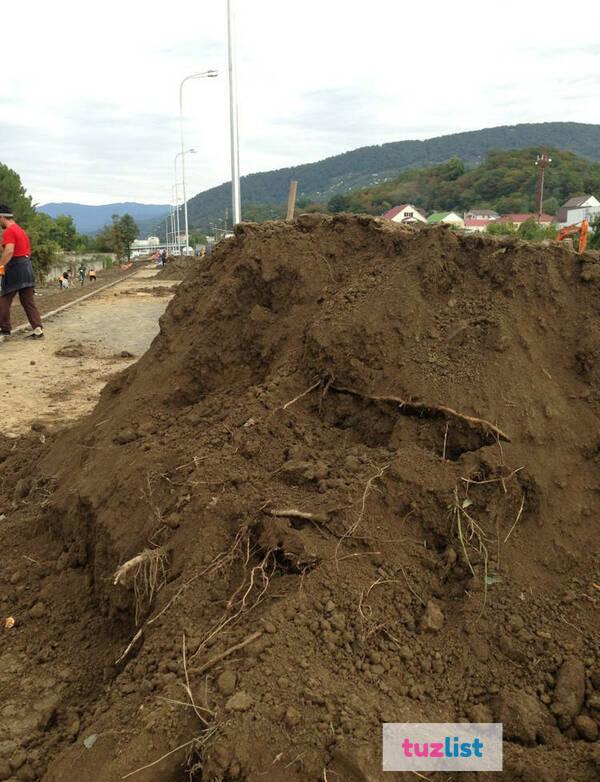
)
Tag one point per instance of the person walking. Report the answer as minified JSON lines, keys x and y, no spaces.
{"x":92,"y":275}
{"x":16,"y":275}
{"x":81,"y":271}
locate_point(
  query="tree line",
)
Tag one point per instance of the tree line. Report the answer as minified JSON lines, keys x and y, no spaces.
{"x":51,"y":236}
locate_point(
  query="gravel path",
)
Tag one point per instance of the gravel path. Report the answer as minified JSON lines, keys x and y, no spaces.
{"x":60,"y":377}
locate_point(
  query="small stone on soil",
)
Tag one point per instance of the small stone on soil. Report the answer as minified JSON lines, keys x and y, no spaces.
{"x":586,"y":727}
{"x":226,"y":682}
{"x":241,"y":701}
{"x":433,"y":618}
{"x":38,"y":610}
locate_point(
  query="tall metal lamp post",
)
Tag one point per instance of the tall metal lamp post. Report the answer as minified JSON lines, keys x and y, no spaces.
{"x":233,"y":116}
{"x":181,"y":155}
{"x":211,"y":74}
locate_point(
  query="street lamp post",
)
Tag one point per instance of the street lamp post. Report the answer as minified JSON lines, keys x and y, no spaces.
{"x":172,"y":221}
{"x":182,"y":155}
{"x":211,"y":74}
{"x":176,"y":226}
{"x":233,"y":118}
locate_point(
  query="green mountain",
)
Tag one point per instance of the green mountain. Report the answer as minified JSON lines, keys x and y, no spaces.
{"x":375,"y":164}
{"x":505,"y":181}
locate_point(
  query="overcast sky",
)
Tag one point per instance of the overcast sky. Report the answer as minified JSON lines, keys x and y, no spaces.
{"x":89,"y":92}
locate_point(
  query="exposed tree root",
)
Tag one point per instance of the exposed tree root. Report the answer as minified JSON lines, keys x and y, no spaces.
{"x":149,"y":572}
{"x":293,"y":513}
{"x":421,"y":408}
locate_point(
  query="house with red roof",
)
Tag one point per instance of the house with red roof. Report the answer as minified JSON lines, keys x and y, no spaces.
{"x":477,"y":224}
{"x":405,"y":213}
{"x":517,"y":220}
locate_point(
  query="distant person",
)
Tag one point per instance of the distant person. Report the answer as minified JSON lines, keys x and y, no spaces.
{"x":16,"y":275}
{"x":163,"y":257}
{"x":92,"y":275}
{"x":81,"y":272}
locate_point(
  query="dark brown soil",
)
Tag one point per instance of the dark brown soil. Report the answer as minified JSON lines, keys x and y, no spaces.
{"x":177,"y":267}
{"x":431,"y":402}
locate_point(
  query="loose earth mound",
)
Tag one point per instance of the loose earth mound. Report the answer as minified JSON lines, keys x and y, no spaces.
{"x":177,"y":267}
{"x":353,"y":481}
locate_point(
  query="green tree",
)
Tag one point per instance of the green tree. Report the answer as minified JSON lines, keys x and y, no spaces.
{"x":117,"y":237}
{"x":44,"y":249}
{"x":39,"y":227}
{"x":128,"y":232}
{"x":529,"y":230}
{"x":64,"y":233}
{"x":454,"y":168}
{"x":501,"y":229}
{"x":103,"y":241}
{"x":14,"y":195}
{"x":338,"y":203}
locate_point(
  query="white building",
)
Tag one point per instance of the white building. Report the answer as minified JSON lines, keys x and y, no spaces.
{"x":145,"y":246}
{"x":577,"y":209}
{"x":405,"y":213}
{"x":481,"y":214}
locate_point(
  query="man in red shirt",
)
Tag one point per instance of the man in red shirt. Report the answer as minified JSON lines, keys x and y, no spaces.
{"x":16,"y":275}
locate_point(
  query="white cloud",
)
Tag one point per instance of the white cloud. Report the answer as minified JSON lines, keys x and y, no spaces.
{"x":88,"y":110}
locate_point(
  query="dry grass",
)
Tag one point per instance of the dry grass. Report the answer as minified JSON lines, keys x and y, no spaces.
{"x":471,"y":537}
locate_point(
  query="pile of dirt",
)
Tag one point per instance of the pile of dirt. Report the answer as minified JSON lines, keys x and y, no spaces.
{"x":353,"y":481}
{"x":177,"y":267}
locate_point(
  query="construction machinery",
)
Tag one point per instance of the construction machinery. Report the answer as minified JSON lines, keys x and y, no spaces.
{"x":579,"y":228}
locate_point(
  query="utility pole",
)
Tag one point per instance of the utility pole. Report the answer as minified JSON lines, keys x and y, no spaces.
{"x":542,"y":162}
{"x":233,"y":118}
{"x":292,"y":200}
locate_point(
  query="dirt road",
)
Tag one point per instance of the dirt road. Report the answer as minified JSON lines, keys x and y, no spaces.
{"x":59,"y":378}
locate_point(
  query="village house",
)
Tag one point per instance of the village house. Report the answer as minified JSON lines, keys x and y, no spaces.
{"x":477,"y":224}
{"x":481,"y":214}
{"x":577,"y":209}
{"x":447,"y":218}
{"x":405,"y":213}
{"x":517,"y":220}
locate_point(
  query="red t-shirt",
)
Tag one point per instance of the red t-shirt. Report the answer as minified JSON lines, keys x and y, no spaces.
{"x":14,"y":234}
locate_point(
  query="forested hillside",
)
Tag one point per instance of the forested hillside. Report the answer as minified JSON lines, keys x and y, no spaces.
{"x":372,"y":165}
{"x":505,"y":181}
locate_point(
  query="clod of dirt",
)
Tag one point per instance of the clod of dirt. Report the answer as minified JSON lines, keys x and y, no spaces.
{"x":569,"y":692}
{"x":523,"y":717}
{"x":586,"y":727}
{"x":241,"y":701}
{"x":226,"y":682}
{"x":433,"y":618}
{"x":71,"y":350}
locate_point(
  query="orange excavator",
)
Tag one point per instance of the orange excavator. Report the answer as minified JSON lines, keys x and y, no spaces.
{"x":581,"y":229}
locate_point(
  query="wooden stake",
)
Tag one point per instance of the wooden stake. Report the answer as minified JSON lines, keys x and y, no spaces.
{"x":292,"y":200}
